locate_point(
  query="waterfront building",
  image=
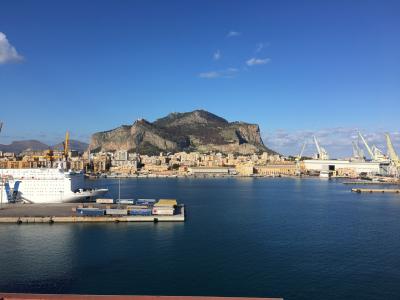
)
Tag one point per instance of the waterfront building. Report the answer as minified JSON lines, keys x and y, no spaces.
{"x":246,"y":169}
{"x":276,"y":169}
{"x":357,"y":167}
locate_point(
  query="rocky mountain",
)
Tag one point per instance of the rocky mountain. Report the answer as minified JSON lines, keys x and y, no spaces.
{"x":198,"y":130}
{"x":20,"y":146}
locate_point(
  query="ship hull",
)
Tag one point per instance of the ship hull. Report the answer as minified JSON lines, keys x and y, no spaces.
{"x":84,"y":196}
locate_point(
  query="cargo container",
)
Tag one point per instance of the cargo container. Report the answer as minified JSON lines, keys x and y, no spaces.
{"x":90,"y":211}
{"x":136,"y":207}
{"x":116,"y":211}
{"x":125,"y":201}
{"x":105,"y":201}
{"x":140,"y":212}
{"x":146,"y":201}
{"x":166,"y":203}
{"x":163,"y":211}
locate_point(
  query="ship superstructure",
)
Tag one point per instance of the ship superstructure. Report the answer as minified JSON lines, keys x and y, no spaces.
{"x":44,"y":185}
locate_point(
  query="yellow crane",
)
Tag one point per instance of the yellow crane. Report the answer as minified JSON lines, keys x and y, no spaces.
{"x":66,"y":145}
{"x":392,"y":153}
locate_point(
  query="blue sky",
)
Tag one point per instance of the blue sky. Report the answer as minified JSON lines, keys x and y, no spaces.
{"x":293,"y":67}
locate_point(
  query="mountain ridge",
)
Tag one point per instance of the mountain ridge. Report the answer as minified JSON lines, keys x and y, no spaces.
{"x":198,"y":130}
{"x":35,"y":145}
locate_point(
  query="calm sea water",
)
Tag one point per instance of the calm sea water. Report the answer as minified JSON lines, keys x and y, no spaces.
{"x":291,"y":238}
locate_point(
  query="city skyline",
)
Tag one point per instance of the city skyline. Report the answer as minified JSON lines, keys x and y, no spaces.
{"x":293,"y":68}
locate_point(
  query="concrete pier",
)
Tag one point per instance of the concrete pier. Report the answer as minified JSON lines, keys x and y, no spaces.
{"x":63,"y":213}
{"x":396,"y":191}
{"x":371,"y":182}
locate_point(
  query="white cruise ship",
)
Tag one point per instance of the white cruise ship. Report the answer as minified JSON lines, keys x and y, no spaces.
{"x":44,"y":186}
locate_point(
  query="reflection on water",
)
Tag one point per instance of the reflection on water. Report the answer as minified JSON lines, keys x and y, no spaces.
{"x":33,"y":253}
{"x":291,"y":238}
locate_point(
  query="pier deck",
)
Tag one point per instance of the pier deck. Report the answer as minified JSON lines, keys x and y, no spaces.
{"x":396,"y":191}
{"x":372,"y":182}
{"x":62,"y":213}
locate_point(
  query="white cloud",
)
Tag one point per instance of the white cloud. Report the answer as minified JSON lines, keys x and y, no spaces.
{"x":227,"y":73}
{"x":232,"y":34}
{"x":217,"y":55}
{"x":211,"y":74}
{"x":257,"y":61}
{"x":7,"y":51}
{"x":337,"y":141}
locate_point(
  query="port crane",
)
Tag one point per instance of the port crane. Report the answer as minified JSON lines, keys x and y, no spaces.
{"x":298,"y":158}
{"x":374,"y":152}
{"x":358,"y":153}
{"x":300,"y":155}
{"x":391,"y":152}
{"x":321,"y":152}
{"x":66,"y":145}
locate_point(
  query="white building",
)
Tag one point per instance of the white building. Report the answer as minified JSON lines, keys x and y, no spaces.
{"x":370,"y":168}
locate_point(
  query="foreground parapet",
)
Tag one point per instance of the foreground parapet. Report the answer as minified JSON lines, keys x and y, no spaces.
{"x":10,"y":296}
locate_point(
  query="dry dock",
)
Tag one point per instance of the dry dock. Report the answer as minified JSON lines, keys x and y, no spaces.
{"x":63,"y":213}
{"x":396,"y":191}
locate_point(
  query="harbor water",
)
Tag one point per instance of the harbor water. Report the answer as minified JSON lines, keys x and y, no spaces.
{"x":261,"y":237}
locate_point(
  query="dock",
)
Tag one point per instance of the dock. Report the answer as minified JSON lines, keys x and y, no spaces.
{"x":64,"y":213}
{"x":372,"y":182}
{"x":395,"y":191}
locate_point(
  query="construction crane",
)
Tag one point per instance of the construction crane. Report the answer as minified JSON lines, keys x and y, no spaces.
{"x":66,"y":145}
{"x":391,"y":152}
{"x":322,"y":153}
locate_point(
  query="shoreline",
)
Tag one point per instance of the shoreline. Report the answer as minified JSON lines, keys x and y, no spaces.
{"x":347,"y":180}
